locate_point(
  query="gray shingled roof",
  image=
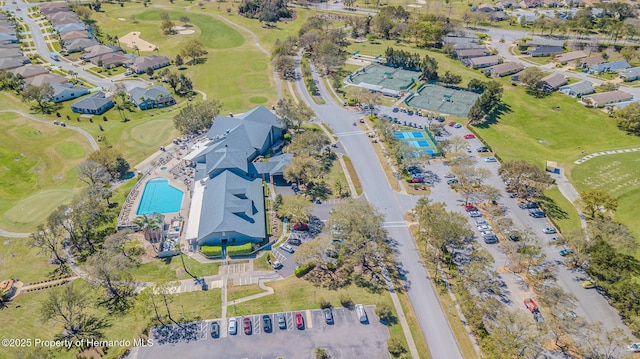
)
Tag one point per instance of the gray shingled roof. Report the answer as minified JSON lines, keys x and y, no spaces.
{"x":226,"y":158}
{"x":152,"y":93}
{"x":93,"y":101}
{"x":554,"y":80}
{"x":581,"y":88}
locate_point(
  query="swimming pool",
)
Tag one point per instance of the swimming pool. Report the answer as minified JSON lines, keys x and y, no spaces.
{"x":159,"y":196}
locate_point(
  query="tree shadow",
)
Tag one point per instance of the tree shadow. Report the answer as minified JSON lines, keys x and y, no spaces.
{"x":552,"y":209}
{"x":495,"y":115}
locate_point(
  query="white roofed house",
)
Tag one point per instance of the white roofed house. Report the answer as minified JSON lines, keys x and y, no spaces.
{"x":64,"y":92}
{"x":631,"y":74}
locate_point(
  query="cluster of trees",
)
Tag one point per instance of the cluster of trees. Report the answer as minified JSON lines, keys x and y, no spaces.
{"x":450,"y":78}
{"x":531,"y":77}
{"x":358,"y":254}
{"x":525,"y":179}
{"x":179,"y":83}
{"x":403,"y":59}
{"x":325,"y":46}
{"x":10,"y":81}
{"x":42,"y":95}
{"x":487,"y":103}
{"x":265,"y":10}
{"x":194,"y":118}
{"x":293,"y":115}
{"x":283,"y":57}
{"x":628,"y":118}
{"x":167,"y":26}
{"x":390,"y":21}
{"x":193,"y":50}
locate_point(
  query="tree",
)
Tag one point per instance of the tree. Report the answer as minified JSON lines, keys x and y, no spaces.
{"x":297,"y":208}
{"x":92,"y":173}
{"x":321,"y":354}
{"x":596,"y":203}
{"x":48,"y":238}
{"x":293,"y":115}
{"x":615,"y":234}
{"x":151,"y":226}
{"x":628,"y":53}
{"x":178,"y":61}
{"x":150,"y":72}
{"x":308,"y":142}
{"x":70,"y":306}
{"x":451,"y":78}
{"x":531,"y":77}
{"x":455,"y":145}
{"x":111,"y":271}
{"x":112,"y":161}
{"x":513,"y":335}
{"x":285,"y":66}
{"x":194,"y":50}
{"x":42,"y":95}
{"x":173,"y":80}
{"x":395,"y":347}
{"x":184,"y":19}
{"x":429,"y":68}
{"x":608,"y":86}
{"x":167,"y":26}
{"x":302,"y":169}
{"x":526,"y":179}
{"x":628,"y":118}
{"x":385,"y":313}
{"x":476,"y":85}
{"x":194,"y":118}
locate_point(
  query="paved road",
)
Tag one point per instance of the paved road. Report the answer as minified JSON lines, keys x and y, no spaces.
{"x":434,"y":325}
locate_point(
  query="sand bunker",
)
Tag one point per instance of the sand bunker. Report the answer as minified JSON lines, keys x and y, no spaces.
{"x":133,"y":39}
{"x":182,"y":30}
{"x":122,"y":19}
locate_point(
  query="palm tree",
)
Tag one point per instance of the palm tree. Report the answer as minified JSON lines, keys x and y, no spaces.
{"x":151,"y":224}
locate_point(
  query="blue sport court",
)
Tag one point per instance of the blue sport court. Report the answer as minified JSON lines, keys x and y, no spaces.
{"x":159,"y":196}
{"x":406,"y":135}
{"x":420,"y":140}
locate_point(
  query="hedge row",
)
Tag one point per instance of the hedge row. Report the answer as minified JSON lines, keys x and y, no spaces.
{"x":239,"y":250}
{"x":211,"y":251}
{"x":304,"y":269}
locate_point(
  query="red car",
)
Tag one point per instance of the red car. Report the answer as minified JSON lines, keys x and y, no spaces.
{"x":247,"y":326}
{"x":299,"y":321}
{"x":300,"y":227}
{"x":452,"y":123}
{"x":469,"y":136}
{"x":417,"y":180}
{"x":470,"y":208}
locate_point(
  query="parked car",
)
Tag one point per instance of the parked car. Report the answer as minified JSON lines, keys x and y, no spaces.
{"x":395,"y":109}
{"x":474,"y":214}
{"x":300,"y":227}
{"x":635,"y":347}
{"x":549,"y":230}
{"x":482,"y":149}
{"x":452,"y":181}
{"x":514,"y":237}
{"x":484,"y":227}
{"x":266,"y":323}
{"x":469,"y":136}
{"x":490,"y":159}
{"x":528,"y":205}
{"x":299,"y":321}
{"x":328,"y":315}
{"x":566,"y":252}
{"x":457,"y":125}
{"x":215,"y":329}
{"x":490,"y":239}
{"x":537,"y":214}
{"x":247,"y":326}
{"x":587,"y":284}
{"x":287,"y":248}
{"x":294,"y":241}
{"x":233,"y":326}
{"x":452,"y":123}
{"x":470,"y":208}
{"x":417,"y":179}
{"x":282,"y":322}
{"x":276,"y":265}
{"x":480,"y":222}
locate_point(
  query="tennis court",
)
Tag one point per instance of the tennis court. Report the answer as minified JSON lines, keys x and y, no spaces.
{"x":444,"y":100}
{"x":380,"y":77}
{"x":420,"y":140}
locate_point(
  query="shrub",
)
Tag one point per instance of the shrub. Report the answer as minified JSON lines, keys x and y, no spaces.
{"x":345,"y":301}
{"x":384,"y":312}
{"x":324,"y":303}
{"x":321,"y":354}
{"x":303,"y":269}
{"x":395,"y":347}
{"x":239,"y":250}
{"x":211,"y":251}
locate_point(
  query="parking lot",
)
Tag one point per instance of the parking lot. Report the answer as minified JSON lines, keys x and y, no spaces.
{"x":345,"y":338}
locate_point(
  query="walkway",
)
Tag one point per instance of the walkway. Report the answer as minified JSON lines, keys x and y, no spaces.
{"x":604,"y":153}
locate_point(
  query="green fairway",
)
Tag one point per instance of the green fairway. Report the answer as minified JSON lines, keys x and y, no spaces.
{"x":37,"y":170}
{"x":14,"y":253}
{"x":618,"y":174}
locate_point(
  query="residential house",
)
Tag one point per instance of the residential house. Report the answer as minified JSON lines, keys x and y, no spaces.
{"x":506,"y":69}
{"x":97,"y":50}
{"x":497,"y":15}
{"x":9,"y":37}
{"x":227,"y":203}
{"x":538,"y":42}
{"x":64,"y":18}
{"x":95,"y":104}
{"x":140,"y":64}
{"x":13,"y":52}
{"x":61,"y":29}
{"x":12,"y":63}
{"x":530,"y":3}
{"x":461,"y":43}
{"x":577,"y":89}
{"x":592,"y":60}
{"x":28,"y":71}
{"x":471,"y":53}
{"x":570,"y":56}
{"x":552,"y":82}
{"x":541,"y":51}
{"x":155,"y":96}
{"x":609,"y":67}
{"x":45,"y":79}
{"x":66,"y":91}
{"x":77,"y":45}
{"x":631,"y":74}
{"x":605,"y":98}
{"x":620,"y":105}
{"x":72,"y":35}
{"x":7,"y":28}
{"x":482,"y":62}
{"x":9,"y":45}
{"x":110,"y":60}
{"x":486,"y":8}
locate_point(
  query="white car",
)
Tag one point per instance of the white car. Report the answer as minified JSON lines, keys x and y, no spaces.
{"x":635,"y":347}
{"x":233,"y":326}
{"x":481,"y":222}
{"x":490,"y":159}
{"x":549,"y":230}
{"x":484,"y":227}
{"x":487,"y":233}
{"x":474,"y":214}
{"x":287,"y":248}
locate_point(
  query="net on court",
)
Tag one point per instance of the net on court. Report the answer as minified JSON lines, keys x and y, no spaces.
{"x":444,"y":100}
{"x":384,"y":77}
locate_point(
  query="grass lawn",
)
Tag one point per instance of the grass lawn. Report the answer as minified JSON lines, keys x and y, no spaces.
{"x":353,"y":174}
{"x":618,"y":174}
{"x":24,"y":322}
{"x":37,"y":169}
{"x":236,"y":292}
{"x":244,"y":82}
{"x":561,"y":211}
{"x":261,"y":262}
{"x":168,"y":269}
{"x":14,"y":252}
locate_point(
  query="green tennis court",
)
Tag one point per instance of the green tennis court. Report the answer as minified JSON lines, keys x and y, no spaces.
{"x":444,"y":100}
{"x":385,"y":77}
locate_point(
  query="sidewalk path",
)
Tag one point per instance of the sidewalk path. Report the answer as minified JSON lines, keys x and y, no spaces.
{"x":604,"y":153}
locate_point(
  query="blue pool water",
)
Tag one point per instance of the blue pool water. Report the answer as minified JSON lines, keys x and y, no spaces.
{"x":159,"y":196}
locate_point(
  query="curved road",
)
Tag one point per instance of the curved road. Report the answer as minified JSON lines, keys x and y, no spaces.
{"x":430,"y":314}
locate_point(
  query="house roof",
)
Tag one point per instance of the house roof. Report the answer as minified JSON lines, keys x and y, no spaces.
{"x":80,"y":44}
{"x":94,"y":101}
{"x":45,"y":79}
{"x":273,"y":166}
{"x":462,"y":42}
{"x":72,"y":35}
{"x":505,"y":67}
{"x":64,"y":21}
{"x":582,"y":87}
{"x":554,"y":80}
{"x":570,"y":56}
{"x":62,"y":15}
{"x":547,"y":50}
{"x":97,"y":50}
{"x":140,"y":94}
{"x":111,"y":58}
{"x":8,"y":37}
{"x":27,"y":71}
{"x":61,"y":89}
{"x":485,"y":60}
{"x":226,"y":158}
{"x":231,"y":203}
{"x":609,"y":97}
{"x":610,"y":66}
{"x":11,"y":63}
{"x":545,"y":42}
{"x":593,"y":60}
{"x":472,"y":52}
{"x":11,"y":52}
{"x":70,"y":27}
{"x":632,"y":72}
{"x":141,"y":63}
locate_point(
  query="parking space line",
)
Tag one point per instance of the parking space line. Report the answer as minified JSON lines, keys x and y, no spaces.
{"x":308,"y":321}
{"x":290,"y":322}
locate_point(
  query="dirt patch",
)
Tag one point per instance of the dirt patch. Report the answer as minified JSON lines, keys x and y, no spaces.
{"x":133,"y":39}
